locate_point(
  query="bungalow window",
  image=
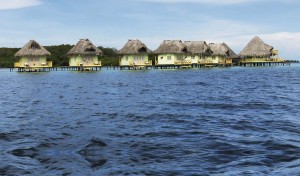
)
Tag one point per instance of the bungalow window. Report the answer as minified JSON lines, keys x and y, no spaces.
{"x":126,"y":58}
{"x":193,"y":57}
{"x":142,"y":58}
{"x":169,"y":57}
{"x":136,"y":58}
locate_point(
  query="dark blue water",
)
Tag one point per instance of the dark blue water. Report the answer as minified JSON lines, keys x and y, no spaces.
{"x":236,"y":121}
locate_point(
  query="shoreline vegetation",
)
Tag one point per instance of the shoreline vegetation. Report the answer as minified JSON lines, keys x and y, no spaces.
{"x":111,"y":56}
{"x":59,"y":56}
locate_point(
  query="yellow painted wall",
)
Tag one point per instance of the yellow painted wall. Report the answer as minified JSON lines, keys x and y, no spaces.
{"x":228,"y":61}
{"x":128,"y":60}
{"x":85,"y":60}
{"x":197,"y":59}
{"x":166,"y":59}
{"x":32,"y":61}
{"x":202,"y":60}
{"x":193,"y":59}
{"x":222,"y":60}
{"x":169,"y":59}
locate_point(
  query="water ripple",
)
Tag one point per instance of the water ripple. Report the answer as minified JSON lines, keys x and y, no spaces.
{"x":238,"y":121}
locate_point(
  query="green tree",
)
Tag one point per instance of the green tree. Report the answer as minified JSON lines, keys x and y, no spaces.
{"x":59,"y":56}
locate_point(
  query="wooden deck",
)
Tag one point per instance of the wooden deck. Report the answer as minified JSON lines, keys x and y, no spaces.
{"x":136,"y":66}
{"x":33,"y":65}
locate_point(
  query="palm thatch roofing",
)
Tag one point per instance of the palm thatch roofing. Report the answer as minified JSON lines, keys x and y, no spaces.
{"x":231,"y":53}
{"x":222,"y":49}
{"x":85,"y":47}
{"x":32,"y":48}
{"x":256,"y":48}
{"x":171,"y":47}
{"x":134,"y":47}
{"x":198,"y":47}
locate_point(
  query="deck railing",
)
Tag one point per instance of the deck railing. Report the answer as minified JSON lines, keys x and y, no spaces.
{"x":49,"y":64}
{"x":92,"y":64}
{"x":183,"y":62}
{"x":146,"y":63}
{"x":17,"y":64}
{"x":206,"y":62}
{"x":262,"y":60}
{"x":42,"y":65}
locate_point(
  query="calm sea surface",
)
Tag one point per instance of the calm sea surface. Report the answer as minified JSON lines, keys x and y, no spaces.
{"x":233,"y":121}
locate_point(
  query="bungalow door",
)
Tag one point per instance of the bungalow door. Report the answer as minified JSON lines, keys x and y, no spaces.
{"x":33,"y":61}
{"x":138,"y":60}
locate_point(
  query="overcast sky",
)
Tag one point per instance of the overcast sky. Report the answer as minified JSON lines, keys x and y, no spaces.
{"x":110,"y":23}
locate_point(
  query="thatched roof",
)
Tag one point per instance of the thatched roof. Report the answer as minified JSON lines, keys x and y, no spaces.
{"x":134,"y":47}
{"x":32,"y":48}
{"x":222,"y":49}
{"x":85,"y":47}
{"x":231,"y":53}
{"x":171,"y":47}
{"x":256,"y":48}
{"x":198,"y":47}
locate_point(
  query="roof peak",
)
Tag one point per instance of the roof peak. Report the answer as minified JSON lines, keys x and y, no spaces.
{"x":32,"y":48}
{"x":134,"y":47}
{"x":85,"y":47}
{"x":256,"y":47}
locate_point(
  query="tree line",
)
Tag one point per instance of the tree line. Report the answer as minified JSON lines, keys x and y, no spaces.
{"x":59,"y":56}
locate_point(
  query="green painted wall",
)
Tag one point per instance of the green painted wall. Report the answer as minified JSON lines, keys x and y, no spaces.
{"x":85,"y":60}
{"x":32,"y":61}
{"x":127,"y":60}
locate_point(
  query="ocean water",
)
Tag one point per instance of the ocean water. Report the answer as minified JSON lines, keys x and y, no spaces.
{"x":222,"y":122}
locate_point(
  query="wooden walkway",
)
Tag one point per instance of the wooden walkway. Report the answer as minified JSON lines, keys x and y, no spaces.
{"x":98,"y":68}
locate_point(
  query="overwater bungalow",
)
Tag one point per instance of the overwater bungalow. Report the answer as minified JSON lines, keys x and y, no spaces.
{"x":257,"y":53}
{"x":84,"y":56}
{"x":33,"y":57}
{"x":230,"y":56}
{"x":221,"y":55}
{"x":172,"y":53}
{"x":197,"y":52}
{"x":135,"y":54}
